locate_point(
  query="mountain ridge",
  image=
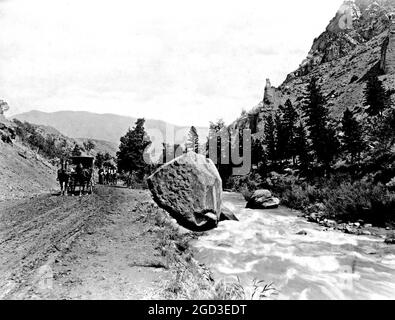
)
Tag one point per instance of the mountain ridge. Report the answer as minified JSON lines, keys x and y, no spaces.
{"x":107,"y":127}
{"x":357,"y":43}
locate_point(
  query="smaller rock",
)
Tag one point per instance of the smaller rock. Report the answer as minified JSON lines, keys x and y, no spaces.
{"x":262,"y":199}
{"x":302,"y":233}
{"x":390,"y":239}
{"x":330,"y":223}
{"x":262,"y":194}
{"x":227,"y":215}
{"x":313,"y":217}
{"x":357,"y":224}
{"x":272,"y":203}
{"x":368,"y":225}
{"x":366,"y":233}
{"x":350,"y":230}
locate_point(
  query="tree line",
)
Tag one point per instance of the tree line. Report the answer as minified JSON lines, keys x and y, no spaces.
{"x":303,"y":137}
{"x":312,"y":142}
{"x":49,"y":145}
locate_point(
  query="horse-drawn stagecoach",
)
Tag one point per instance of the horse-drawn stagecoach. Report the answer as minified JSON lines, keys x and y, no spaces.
{"x":77,"y":171}
{"x":82,"y":175}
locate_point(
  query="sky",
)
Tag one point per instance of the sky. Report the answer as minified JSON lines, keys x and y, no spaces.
{"x":182,"y":61}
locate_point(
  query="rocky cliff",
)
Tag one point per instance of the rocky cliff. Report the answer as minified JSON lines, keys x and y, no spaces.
{"x":358,"y":42}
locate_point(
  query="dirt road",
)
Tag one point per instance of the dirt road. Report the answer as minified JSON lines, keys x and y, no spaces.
{"x":104,"y":246}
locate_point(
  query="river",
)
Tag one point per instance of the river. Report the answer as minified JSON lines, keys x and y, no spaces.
{"x":265,"y":245}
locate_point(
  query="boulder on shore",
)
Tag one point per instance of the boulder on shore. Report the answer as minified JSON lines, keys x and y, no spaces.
{"x":228,"y":215}
{"x":390,"y":238}
{"x":189,"y":188}
{"x":263,"y":199}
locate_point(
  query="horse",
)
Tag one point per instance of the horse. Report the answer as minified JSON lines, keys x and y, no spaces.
{"x":114,"y":178}
{"x":63,"y":178}
{"x":82,"y":178}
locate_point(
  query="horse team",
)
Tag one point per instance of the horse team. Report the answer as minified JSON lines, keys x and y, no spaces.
{"x":71,"y":177}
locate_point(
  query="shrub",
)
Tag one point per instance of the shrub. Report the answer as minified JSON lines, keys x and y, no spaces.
{"x":360,"y":200}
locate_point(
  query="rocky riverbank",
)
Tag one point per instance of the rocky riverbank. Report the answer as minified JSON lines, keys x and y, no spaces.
{"x":355,"y":228}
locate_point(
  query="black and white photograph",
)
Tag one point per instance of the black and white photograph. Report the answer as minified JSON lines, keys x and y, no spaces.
{"x":177,"y":151}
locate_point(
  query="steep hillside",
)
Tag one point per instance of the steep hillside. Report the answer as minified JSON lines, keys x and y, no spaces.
{"x":107,"y":127}
{"x":23,"y":173}
{"x":358,"y":42}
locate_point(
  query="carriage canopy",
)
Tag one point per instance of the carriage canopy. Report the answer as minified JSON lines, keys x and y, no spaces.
{"x":87,"y":162}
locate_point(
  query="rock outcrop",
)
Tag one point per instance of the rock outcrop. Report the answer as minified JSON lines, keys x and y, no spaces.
{"x":269,"y":95}
{"x":7,"y":130}
{"x":388,"y":53}
{"x":263,"y":199}
{"x":357,"y":43}
{"x":189,"y":188}
{"x":3,"y":107}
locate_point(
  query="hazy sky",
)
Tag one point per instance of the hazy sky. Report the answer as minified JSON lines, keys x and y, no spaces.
{"x":182,"y":61}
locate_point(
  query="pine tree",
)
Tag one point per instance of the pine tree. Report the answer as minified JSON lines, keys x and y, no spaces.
{"x":257,"y":151}
{"x":270,"y":139}
{"x":131,"y":150}
{"x":290,"y":117}
{"x":379,"y":122}
{"x":219,"y":136}
{"x":321,"y":134}
{"x":89,"y":145}
{"x":99,"y":160}
{"x":302,"y":148}
{"x":353,"y":143}
{"x":76,"y":151}
{"x":193,"y":140}
{"x":376,"y":97}
{"x":280,"y":138}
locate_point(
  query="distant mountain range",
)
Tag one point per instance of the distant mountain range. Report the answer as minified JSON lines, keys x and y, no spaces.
{"x":106,"y":127}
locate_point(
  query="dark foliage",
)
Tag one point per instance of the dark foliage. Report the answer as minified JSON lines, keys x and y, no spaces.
{"x":131,"y":151}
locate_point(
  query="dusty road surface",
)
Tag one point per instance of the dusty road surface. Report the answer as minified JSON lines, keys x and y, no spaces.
{"x":100,"y":246}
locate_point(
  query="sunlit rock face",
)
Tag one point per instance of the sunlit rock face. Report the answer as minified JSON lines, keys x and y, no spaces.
{"x":388,"y":58}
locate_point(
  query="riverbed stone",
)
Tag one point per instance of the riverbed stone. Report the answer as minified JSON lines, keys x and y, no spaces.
{"x":263,"y":199}
{"x":330,"y":223}
{"x":313,"y":217}
{"x":390,"y":238}
{"x":228,"y":215}
{"x":350,"y":230}
{"x":302,"y":233}
{"x":189,"y":188}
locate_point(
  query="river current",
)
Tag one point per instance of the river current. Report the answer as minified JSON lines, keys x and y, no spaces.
{"x":316,"y":264}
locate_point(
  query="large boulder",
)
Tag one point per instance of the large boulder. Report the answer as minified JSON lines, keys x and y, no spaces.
{"x":189,"y":188}
{"x":263,"y":199}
